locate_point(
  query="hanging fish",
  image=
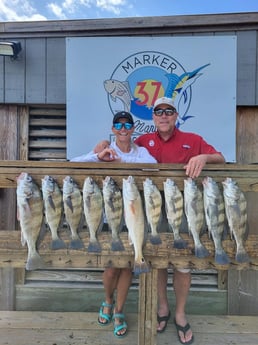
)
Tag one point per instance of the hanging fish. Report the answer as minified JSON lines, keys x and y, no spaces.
{"x":134,"y":220}
{"x":194,"y":212}
{"x":53,"y":205}
{"x":236,"y":212}
{"x":113,"y":205}
{"x":72,"y":200}
{"x":174,"y":204}
{"x":153,"y":204}
{"x":30,"y":216}
{"x":93,"y":211}
{"x":214,"y":209}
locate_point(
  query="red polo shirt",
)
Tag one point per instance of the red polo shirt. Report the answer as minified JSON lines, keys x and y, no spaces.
{"x":180,"y":147}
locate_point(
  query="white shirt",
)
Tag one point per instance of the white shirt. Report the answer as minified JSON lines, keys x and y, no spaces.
{"x":137,"y":154}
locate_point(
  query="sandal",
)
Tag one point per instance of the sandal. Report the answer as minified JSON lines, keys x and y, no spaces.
{"x":119,"y":326}
{"x":163,"y":319}
{"x":183,"y":329}
{"x":107,"y":317}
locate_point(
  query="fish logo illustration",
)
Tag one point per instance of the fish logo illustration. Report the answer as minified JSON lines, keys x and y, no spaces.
{"x":119,"y":90}
{"x":143,"y":77}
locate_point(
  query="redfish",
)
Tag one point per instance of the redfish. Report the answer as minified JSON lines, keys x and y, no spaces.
{"x":134,"y":220}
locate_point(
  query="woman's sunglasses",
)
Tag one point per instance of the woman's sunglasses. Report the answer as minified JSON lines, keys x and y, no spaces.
{"x":119,"y":125}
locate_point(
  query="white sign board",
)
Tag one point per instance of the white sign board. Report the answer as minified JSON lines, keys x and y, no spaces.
{"x":109,"y":74}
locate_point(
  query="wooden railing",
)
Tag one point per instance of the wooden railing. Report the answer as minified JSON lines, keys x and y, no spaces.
{"x":12,"y":254}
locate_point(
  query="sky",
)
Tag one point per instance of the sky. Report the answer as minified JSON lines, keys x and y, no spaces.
{"x":37,"y":10}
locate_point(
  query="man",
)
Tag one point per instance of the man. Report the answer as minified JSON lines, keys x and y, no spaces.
{"x":169,"y":145}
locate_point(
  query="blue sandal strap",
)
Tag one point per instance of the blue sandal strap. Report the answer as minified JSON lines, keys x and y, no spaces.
{"x":107,"y":317}
{"x":118,"y":316}
{"x":119,"y":326}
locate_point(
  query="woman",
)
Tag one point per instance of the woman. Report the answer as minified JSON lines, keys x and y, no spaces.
{"x":119,"y":279}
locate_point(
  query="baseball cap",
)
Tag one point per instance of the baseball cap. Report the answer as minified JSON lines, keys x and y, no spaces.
{"x":123,"y":115}
{"x":164,"y":100}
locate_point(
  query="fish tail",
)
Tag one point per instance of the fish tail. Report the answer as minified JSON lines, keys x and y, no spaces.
{"x":242,"y":256}
{"x":76,"y":244}
{"x":94,"y":247}
{"x":221,"y":257}
{"x":141,"y":267}
{"x":201,"y":251}
{"x":57,"y":244}
{"x":155,"y":239}
{"x":117,"y":245}
{"x":180,"y":243}
{"x":34,"y":262}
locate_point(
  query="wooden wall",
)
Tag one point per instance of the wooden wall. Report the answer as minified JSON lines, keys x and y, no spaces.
{"x":38,"y":76}
{"x":243,"y":285}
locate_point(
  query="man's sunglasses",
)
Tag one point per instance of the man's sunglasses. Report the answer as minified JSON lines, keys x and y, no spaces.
{"x":168,"y":112}
{"x":119,"y":125}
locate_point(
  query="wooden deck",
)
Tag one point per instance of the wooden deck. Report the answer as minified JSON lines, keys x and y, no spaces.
{"x":77,"y":328}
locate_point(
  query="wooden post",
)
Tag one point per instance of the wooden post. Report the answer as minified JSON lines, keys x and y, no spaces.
{"x":147,"y":319}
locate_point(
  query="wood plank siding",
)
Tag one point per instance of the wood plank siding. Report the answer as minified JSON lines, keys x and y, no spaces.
{"x":38,"y":75}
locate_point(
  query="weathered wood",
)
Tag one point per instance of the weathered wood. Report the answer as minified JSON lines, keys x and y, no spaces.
{"x":12,"y":254}
{"x":136,"y":25}
{"x":29,"y":328}
{"x":47,"y":143}
{"x":8,"y":150}
{"x":245,"y":175}
{"x":92,"y":277}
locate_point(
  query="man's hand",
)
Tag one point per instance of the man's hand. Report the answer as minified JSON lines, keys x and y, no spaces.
{"x":195,"y":165}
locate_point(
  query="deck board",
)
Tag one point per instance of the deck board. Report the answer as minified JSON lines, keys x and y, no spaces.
{"x":55,"y":328}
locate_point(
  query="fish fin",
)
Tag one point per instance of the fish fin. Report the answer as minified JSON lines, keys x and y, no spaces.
{"x":113,"y":98}
{"x":69,"y":203}
{"x":155,"y":239}
{"x":180,"y":244}
{"x":242,"y":256}
{"x":23,"y":240}
{"x":201,"y":252}
{"x":35,"y":262}
{"x":94,"y":247}
{"x":58,"y":244}
{"x":76,"y":244}
{"x":117,"y":245}
{"x":41,"y":235}
{"x":221,"y":258}
{"x":141,"y":267}
{"x":51,"y":202}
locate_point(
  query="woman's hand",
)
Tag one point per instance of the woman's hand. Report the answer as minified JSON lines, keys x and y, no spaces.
{"x":108,"y":155}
